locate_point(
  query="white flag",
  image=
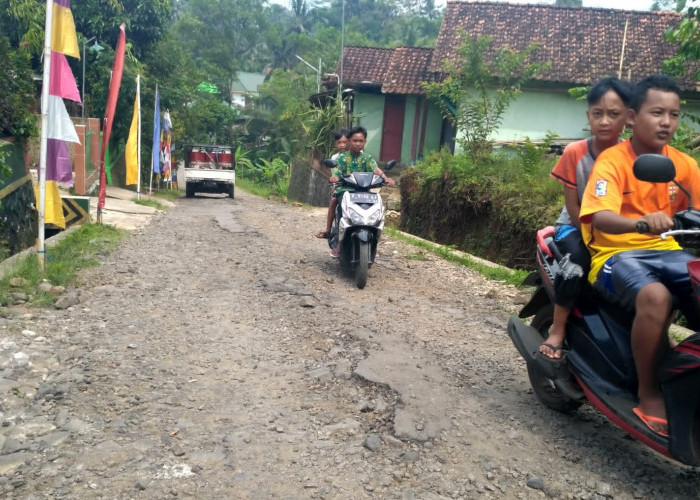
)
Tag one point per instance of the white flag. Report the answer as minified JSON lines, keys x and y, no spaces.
{"x":60,"y":125}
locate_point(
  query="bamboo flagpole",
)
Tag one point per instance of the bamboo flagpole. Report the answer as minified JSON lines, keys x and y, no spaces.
{"x":40,"y":250}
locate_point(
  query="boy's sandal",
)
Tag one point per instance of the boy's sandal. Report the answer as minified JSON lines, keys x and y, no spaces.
{"x":649,"y":419}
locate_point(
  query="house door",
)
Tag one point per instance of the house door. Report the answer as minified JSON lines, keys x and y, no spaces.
{"x":392,"y":129}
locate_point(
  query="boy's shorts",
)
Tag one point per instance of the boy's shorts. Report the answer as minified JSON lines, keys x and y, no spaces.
{"x":625,"y":273}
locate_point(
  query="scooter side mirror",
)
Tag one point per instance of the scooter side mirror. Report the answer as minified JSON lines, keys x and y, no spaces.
{"x":654,"y":168}
{"x":389,"y":165}
{"x":329,"y":163}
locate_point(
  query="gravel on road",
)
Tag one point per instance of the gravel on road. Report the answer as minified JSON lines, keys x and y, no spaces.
{"x":222,"y":353}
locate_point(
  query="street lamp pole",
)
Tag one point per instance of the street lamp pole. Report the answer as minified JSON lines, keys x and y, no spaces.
{"x":317,"y":70}
{"x":82,"y":88}
{"x":342,"y":48}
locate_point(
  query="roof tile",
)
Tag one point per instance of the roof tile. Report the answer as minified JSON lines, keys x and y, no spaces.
{"x":582,"y":44}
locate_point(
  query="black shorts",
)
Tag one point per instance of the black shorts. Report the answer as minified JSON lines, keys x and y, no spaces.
{"x":625,"y":273}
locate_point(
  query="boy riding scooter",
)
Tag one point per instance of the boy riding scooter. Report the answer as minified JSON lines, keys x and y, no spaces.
{"x":621,"y":220}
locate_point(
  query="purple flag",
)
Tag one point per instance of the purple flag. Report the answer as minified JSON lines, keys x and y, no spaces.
{"x":58,"y":164}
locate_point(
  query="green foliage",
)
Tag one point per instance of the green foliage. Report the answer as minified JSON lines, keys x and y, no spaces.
{"x":323,"y":123}
{"x":672,"y":5}
{"x":487,"y":208}
{"x":271,"y":176}
{"x":22,"y":22}
{"x":476,"y":92}
{"x":149,"y":203}
{"x":531,"y":156}
{"x":18,"y":221}
{"x":17,"y":96}
{"x":579,"y":93}
{"x":5,"y":168}
{"x":207,"y":120}
{"x":686,"y":35}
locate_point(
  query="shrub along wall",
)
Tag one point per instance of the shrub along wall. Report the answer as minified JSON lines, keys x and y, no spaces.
{"x":18,"y":216}
{"x":475,"y":217}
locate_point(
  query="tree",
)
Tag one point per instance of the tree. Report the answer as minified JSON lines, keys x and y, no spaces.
{"x":18,"y":103}
{"x":672,"y":5}
{"x":568,"y":3}
{"x":477,"y":90}
{"x":225,"y":36}
{"x":687,"y":36}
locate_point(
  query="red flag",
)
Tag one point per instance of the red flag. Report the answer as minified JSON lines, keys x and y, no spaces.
{"x":114,"y":84}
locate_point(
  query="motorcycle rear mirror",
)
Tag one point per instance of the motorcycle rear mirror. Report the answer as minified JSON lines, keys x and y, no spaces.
{"x":654,"y":168}
{"x":329,"y":163}
{"x":389,"y":165}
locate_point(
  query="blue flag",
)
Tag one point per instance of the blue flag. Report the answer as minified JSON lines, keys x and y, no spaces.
{"x":156,"y":135}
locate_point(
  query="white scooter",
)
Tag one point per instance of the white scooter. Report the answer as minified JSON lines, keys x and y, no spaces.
{"x":359,"y":221}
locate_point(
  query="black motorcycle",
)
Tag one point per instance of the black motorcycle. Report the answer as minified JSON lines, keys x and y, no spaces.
{"x":597,"y":365}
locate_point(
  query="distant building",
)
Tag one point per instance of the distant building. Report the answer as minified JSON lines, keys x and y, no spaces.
{"x":245,"y":88}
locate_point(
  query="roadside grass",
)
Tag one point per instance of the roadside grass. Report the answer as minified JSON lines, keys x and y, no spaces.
{"x":80,"y":249}
{"x":149,"y":203}
{"x":169,"y":194}
{"x":498,"y":273}
{"x":262,"y":190}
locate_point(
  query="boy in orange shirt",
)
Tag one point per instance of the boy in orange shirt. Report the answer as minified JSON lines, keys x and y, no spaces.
{"x":642,"y":270}
{"x":607,"y":115}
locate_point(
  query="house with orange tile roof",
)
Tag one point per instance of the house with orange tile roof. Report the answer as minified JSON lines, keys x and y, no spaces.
{"x":581,"y":46}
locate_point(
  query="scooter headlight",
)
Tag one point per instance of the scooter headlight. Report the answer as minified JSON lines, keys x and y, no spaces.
{"x":374,"y":218}
{"x":355,"y":218}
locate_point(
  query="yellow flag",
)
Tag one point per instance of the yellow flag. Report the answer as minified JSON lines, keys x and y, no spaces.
{"x":53,"y":209}
{"x":63,"y":37}
{"x":132,"y":144}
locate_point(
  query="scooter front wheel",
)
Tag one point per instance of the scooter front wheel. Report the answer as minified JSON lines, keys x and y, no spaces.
{"x":543,"y":386}
{"x":362,"y":264}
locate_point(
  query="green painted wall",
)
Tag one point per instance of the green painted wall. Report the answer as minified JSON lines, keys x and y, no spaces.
{"x":533,"y":113}
{"x":369,"y":113}
{"x":433,"y":129}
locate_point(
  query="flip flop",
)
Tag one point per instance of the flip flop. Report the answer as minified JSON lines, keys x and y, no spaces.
{"x":648,"y":418}
{"x":554,"y":348}
{"x":322,"y":235}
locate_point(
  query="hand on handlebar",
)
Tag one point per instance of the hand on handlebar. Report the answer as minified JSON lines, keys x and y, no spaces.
{"x":657,"y":223}
{"x":333,"y":179}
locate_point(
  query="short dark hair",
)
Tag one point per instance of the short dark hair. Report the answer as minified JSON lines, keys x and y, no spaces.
{"x":358,"y":130}
{"x":340,"y":133}
{"x":621,"y":87}
{"x":656,"y":82}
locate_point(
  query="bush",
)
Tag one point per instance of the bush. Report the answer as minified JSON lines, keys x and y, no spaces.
{"x":492,"y":209}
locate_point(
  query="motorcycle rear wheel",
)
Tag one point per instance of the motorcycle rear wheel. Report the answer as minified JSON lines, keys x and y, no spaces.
{"x":542,"y":386}
{"x":362,"y":264}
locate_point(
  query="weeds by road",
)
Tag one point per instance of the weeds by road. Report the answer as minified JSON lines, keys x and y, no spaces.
{"x":80,"y":249}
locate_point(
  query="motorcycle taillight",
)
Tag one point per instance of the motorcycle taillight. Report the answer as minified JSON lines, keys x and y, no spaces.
{"x":694,"y":273}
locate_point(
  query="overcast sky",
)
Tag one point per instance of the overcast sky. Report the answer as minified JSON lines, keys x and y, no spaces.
{"x":607,"y":4}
